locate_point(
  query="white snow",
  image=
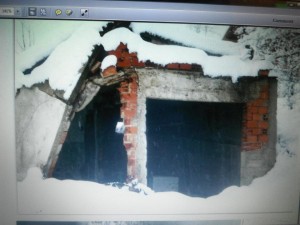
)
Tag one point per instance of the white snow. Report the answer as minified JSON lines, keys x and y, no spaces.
{"x":274,"y":192}
{"x":165,"y":54}
{"x":69,"y":57}
{"x":65,"y":61}
{"x":110,"y":60}
{"x":205,"y":37}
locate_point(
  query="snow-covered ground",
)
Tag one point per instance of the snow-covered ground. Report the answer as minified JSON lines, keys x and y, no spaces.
{"x":276,"y":192}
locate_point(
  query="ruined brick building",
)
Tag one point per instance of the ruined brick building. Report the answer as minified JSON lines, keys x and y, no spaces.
{"x":183,"y":130}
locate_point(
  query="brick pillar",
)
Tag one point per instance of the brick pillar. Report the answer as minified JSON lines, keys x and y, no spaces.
{"x":255,"y":122}
{"x":128,"y":96}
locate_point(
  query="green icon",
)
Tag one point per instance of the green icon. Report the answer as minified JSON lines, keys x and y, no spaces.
{"x":58,"y":12}
{"x":69,"y":12}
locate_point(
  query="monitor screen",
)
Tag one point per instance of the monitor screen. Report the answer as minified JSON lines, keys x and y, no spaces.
{"x":150,"y":113}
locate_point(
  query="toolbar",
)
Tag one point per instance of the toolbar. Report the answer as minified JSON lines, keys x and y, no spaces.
{"x":45,"y":12}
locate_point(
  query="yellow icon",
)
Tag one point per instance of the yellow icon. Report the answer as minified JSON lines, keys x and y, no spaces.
{"x":58,"y":12}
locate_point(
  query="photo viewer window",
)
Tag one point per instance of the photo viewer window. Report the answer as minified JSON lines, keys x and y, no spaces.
{"x":185,"y":119}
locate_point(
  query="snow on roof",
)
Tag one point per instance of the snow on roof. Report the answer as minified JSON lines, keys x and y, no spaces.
{"x":65,"y":61}
{"x":205,"y":37}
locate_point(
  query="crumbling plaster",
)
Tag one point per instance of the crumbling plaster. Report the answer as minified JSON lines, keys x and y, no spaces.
{"x":38,"y":119}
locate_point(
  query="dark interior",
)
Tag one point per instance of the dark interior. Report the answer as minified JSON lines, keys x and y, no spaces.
{"x":93,"y":150}
{"x":198,"y":143}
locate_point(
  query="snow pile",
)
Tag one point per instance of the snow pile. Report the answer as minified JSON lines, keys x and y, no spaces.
{"x":69,"y":57}
{"x":228,"y":65}
{"x":273,"y":193}
{"x":65,"y":61}
{"x":205,"y":37}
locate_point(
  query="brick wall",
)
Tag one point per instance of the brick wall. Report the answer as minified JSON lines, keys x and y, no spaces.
{"x":255,"y":121}
{"x":128,"y":96}
{"x":127,"y":60}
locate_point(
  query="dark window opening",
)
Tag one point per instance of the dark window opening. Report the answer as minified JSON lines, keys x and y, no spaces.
{"x":93,"y":150}
{"x":193,"y":147}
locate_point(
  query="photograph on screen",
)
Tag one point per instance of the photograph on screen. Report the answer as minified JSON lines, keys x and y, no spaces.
{"x":120,"y":117}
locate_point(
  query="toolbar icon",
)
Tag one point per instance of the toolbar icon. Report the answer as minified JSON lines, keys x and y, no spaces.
{"x":84,"y":12}
{"x":18,"y":12}
{"x":32,"y":11}
{"x":69,"y":12}
{"x":58,"y":12}
{"x":43,"y":12}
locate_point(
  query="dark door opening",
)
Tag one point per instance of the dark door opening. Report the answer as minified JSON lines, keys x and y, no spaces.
{"x":93,"y":150}
{"x":197,"y":144}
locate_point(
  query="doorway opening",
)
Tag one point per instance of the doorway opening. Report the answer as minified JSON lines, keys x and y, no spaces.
{"x":93,"y":150}
{"x":193,"y":147}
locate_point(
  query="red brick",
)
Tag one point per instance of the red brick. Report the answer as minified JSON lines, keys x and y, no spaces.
{"x":129,"y":138}
{"x":249,"y":116}
{"x":124,"y":62}
{"x":129,"y":113}
{"x":251,"y":139}
{"x":128,"y":146}
{"x":263,"y":110}
{"x":118,"y":54}
{"x":128,"y":97}
{"x":137,"y":63}
{"x":123,"y":90}
{"x":260,"y":102}
{"x":263,"y":138}
{"x":131,"y":130}
{"x":127,"y":121}
{"x":252,"y":124}
{"x":173,"y":66}
{"x":257,"y":117}
{"x":256,"y":131}
{"x":131,"y":105}
{"x":252,"y":109}
{"x":263,"y":124}
{"x":109,"y":71}
{"x":185,"y":66}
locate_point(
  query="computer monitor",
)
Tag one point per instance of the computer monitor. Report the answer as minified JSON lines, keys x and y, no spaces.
{"x":128,"y":112}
